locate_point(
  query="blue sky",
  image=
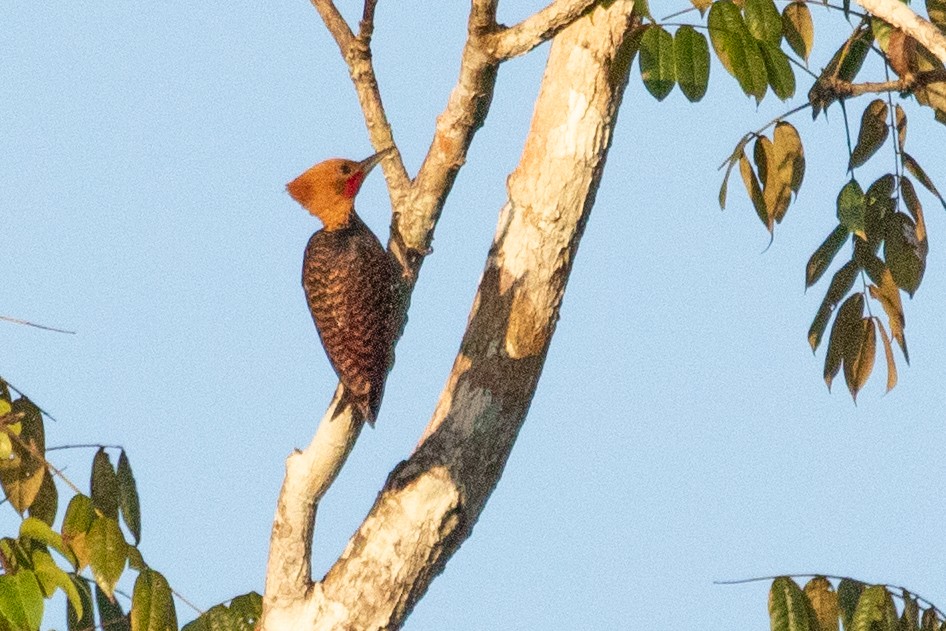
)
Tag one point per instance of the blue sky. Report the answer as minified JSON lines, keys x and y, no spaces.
{"x":681,"y":432}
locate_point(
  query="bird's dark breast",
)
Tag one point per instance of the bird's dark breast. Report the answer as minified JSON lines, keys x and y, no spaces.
{"x":349,"y":282}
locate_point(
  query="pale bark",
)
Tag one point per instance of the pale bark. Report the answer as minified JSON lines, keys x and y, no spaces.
{"x":417,"y":205}
{"x":903,"y":17}
{"x":431,"y":502}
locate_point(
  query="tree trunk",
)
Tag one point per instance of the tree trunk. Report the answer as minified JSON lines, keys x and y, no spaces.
{"x":430,"y":502}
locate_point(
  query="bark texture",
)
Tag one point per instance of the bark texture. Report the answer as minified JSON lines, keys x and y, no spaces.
{"x":431,"y":501}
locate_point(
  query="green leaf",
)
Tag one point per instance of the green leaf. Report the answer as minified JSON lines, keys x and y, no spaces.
{"x":152,"y":607}
{"x":798,"y":28}
{"x":736,"y":48}
{"x":247,"y":610}
{"x":21,"y":601}
{"x":22,"y":476}
{"x":242,"y":615}
{"x":779,"y":71}
{"x":873,"y":133}
{"x":841,"y":284}
{"x":788,"y":609}
{"x":822,"y":257}
{"x":875,"y":611}
{"x":878,"y":203}
{"x":691,"y":62}
{"x":844,"y":65}
{"x":656,"y":62}
{"x":104,"y":485}
{"x":851,"y":208}
{"x":128,"y":497}
{"x":111,"y":616}
{"x":40,"y":531}
{"x":904,"y":254}
{"x":845,"y":333}
{"x":80,"y":616}
{"x":135,"y":560}
{"x":75,"y":525}
{"x":51,"y":576}
{"x":46,"y":502}
{"x":108,"y":553}
{"x":910,"y":618}
{"x":824,"y":603}
{"x":763,"y":21}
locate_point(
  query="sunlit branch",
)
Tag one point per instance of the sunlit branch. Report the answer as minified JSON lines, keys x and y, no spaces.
{"x":536,"y":29}
{"x":903,"y":17}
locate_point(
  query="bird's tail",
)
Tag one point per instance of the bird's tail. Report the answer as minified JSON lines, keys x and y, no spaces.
{"x":366,"y":406}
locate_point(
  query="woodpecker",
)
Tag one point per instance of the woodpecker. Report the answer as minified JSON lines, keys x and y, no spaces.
{"x":349,"y":281}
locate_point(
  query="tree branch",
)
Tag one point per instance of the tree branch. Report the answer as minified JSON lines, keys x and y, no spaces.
{"x":417,"y":207}
{"x":309,"y":474}
{"x":536,"y":29}
{"x":903,"y":17}
{"x":356,"y":52}
{"x":431,"y":502}
{"x":837,"y":88}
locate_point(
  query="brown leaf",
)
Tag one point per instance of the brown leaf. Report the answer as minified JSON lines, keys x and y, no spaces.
{"x":798,"y":28}
{"x":888,"y":353}
{"x":824,"y":602}
{"x":859,"y":355}
{"x":912,"y":203}
{"x":702,"y":5}
{"x":901,"y":53}
{"x":901,"y":123}
{"x":788,"y":146}
{"x":22,"y":475}
{"x":888,"y":295}
{"x":775,"y":173}
{"x":754,"y":190}
{"x":729,"y":164}
{"x":914,"y":167}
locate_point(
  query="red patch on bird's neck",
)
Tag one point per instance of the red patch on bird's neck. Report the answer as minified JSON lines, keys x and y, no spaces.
{"x":353,"y":184}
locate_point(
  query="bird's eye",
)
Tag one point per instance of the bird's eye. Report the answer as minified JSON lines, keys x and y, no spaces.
{"x":345,"y":169}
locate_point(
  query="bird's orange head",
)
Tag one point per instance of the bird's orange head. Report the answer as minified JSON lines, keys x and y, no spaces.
{"x":328,"y":189}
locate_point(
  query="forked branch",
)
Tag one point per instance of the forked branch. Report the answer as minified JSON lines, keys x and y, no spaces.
{"x":536,"y":29}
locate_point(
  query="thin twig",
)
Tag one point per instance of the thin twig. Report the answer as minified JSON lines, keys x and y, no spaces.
{"x":85,"y":446}
{"x":33,"y":324}
{"x":20,"y":392}
{"x":335,"y":23}
{"x":366,"y":26}
{"x":887,"y":586}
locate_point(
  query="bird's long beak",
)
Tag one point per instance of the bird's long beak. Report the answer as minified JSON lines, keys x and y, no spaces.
{"x":369,"y":163}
